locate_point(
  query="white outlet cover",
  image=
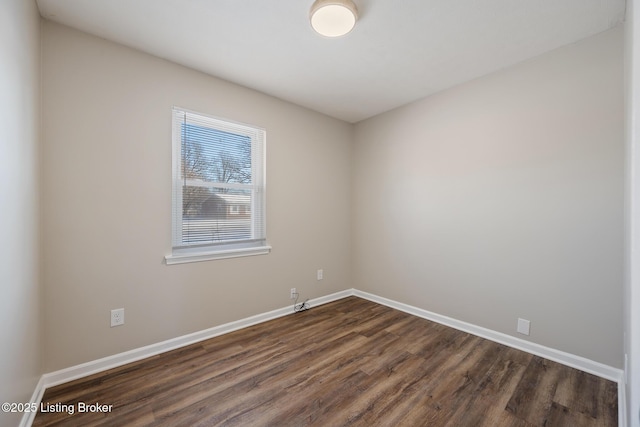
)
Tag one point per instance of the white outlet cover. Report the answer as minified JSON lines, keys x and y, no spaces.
{"x":524,"y":326}
{"x":117,"y":317}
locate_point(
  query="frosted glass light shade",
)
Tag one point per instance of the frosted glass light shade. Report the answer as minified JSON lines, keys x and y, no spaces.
{"x":333,"y":18}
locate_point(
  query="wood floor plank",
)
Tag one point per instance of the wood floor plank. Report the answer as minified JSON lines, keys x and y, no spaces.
{"x":350,"y":362}
{"x":385,"y":392}
{"x":448,"y":392}
{"x":490,"y":397}
{"x":579,"y":390}
{"x":584,"y":393}
{"x":560,"y":415}
{"x":532,"y":400}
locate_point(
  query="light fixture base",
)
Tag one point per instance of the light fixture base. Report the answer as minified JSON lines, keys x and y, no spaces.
{"x":333,"y":18}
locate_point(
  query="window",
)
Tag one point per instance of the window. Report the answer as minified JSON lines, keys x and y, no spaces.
{"x":218,"y":189}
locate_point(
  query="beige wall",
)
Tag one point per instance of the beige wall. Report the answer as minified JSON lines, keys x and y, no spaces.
{"x":107,"y":201}
{"x":497,"y":199}
{"x":20,"y":333}
{"x":503,"y":198}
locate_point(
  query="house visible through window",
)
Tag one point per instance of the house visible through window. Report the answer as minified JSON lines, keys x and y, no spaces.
{"x":218,"y":189}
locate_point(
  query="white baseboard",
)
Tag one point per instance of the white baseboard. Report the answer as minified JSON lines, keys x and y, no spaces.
{"x":89,"y":368}
{"x":568,"y":359}
{"x":110,"y":362}
{"x":577,"y":362}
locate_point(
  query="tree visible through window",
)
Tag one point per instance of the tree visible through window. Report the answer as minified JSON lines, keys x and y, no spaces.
{"x":218,"y":190}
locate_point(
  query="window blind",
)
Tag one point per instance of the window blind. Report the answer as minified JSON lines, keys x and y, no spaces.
{"x":218,"y":183}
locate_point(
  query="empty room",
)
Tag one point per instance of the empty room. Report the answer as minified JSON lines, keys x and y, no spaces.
{"x":320,"y":213}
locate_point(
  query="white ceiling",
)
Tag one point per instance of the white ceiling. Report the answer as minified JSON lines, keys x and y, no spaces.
{"x":400,"y":50}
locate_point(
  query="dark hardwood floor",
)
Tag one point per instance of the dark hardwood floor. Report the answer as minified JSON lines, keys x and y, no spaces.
{"x":350,"y":362}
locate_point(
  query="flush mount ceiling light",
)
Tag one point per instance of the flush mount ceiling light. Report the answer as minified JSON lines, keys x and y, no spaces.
{"x":333,"y":18}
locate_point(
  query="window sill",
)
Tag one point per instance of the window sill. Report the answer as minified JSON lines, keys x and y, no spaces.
{"x":213,"y":255}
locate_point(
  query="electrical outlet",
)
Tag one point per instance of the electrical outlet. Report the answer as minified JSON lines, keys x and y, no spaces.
{"x":117,"y":317}
{"x":524,"y":326}
{"x":294,"y":293}
{"x":320,"y":274}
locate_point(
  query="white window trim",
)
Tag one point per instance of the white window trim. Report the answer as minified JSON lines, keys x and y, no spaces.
{"x":181,"y":255}
{"x":186,"y":257}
